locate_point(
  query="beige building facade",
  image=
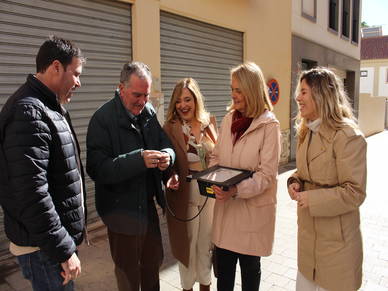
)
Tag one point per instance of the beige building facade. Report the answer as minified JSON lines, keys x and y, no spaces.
{"x":183,"y":38}
{"x":176,"y":38}
{"x":325,"y":33}
{"x":265,"y":41}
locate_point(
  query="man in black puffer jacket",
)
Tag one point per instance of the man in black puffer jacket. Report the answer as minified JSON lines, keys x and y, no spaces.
{"x":41,"y":185}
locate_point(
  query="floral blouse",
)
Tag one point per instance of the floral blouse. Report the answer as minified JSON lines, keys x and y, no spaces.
{"x":197,"y":151}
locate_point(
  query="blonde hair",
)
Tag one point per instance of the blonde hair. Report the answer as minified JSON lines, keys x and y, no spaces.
{"x":330,"y":98}
{"x":200,"y":113}
{"x":253,"y":87}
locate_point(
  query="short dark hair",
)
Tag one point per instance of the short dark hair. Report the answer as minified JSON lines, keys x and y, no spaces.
{"x":56,"y":48}
{"x":138,"y":68}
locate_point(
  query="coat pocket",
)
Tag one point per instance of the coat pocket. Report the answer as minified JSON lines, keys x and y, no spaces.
{"x":257,"y":219}
{"x":329,"y":229}
{"x":261,"y":200}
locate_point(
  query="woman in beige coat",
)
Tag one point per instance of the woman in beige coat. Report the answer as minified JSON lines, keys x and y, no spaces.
{"x":193,"y":133}
{"x":329,"y":185}
{"x":244,"y":216}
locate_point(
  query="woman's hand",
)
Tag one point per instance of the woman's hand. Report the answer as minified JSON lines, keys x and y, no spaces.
{"x":303,"y":199}
{"x":173,"y":182}
{"x":293,"y":190}
{"x":224,"y":195}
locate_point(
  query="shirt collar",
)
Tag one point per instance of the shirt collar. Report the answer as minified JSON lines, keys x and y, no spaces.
{"x":314,"y":125}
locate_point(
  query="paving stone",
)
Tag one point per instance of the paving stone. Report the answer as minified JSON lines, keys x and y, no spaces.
{"x":277,"y":288}
{"x":278,"y":268}
{"x":291,"y":273}
{"x":291,"y":285}
{"x":291,"y":263}
{"x":265,"y":286}
{"x":277,"y":280}
{"x":369,"y":286}
{"x":17,"y":281}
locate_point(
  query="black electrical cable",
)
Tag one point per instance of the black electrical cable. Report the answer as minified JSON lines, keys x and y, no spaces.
{"x":183,"y":219}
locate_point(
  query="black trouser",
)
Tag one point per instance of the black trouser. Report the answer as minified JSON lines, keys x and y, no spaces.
{"x":137,"y":258}
{"x":250,"y":270}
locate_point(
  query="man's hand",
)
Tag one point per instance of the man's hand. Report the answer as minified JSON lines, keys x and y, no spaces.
{"x":151,"y":158}
{"x":164,"y":161}
{"x":293,"y":190}
{"x":71,"y":268}
{"x":173,"y":182}
{"x":224,"y":195}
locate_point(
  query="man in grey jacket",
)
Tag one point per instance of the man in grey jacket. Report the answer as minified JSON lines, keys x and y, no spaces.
{"x":127,"y":151}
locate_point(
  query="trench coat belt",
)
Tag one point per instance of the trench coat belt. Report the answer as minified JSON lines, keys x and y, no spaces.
{"x":307,"y":185}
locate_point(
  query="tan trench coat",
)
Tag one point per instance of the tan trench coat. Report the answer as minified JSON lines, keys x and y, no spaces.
{"x":178,"y":200}
{"x":246,"y":224}
{"x":329,"y":237}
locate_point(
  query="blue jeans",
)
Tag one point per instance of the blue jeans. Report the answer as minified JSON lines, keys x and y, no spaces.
{"x":43,"y":274}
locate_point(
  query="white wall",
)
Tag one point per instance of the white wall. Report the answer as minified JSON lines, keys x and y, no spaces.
{"x":318,"y":31}
{"x":371,"y":115}
{"x":366,"y":83}
{"x":383,"y":85}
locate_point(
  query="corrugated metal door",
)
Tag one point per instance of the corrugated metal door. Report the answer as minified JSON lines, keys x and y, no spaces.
{"x":102,"y":29}
{"x":205,"y":52}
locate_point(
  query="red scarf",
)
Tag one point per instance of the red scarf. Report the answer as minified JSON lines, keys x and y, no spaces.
{"x":239,"y":125}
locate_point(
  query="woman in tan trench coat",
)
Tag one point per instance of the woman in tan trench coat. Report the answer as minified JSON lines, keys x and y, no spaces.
{"x":244,"y":216}
{"x":193,"y":133}
{"x":329,"y":185}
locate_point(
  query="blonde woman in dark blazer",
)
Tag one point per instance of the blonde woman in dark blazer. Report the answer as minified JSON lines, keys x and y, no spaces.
{"x":193,"y":134}
{"x":329,"y":185}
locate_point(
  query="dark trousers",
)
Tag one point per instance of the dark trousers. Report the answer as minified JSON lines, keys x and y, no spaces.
{"x":43,"y":274}
{"x":137,"y":258}
{"x":250,"y":270}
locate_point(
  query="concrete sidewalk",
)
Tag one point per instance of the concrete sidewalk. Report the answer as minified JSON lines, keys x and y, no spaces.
{"x":278,"y":270}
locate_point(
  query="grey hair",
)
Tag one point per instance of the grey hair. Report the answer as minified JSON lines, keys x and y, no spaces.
{"x":138,"y":68}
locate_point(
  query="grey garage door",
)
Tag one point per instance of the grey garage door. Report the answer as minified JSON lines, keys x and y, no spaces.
{"x":205,"y":52}
{"x":102,"y":29}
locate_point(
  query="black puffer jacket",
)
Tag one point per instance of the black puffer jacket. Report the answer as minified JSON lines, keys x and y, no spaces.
{"x":41,"y":188}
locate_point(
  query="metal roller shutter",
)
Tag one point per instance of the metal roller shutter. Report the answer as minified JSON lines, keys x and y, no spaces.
{"x":205,"y":52}
{"x":102,"y":29}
